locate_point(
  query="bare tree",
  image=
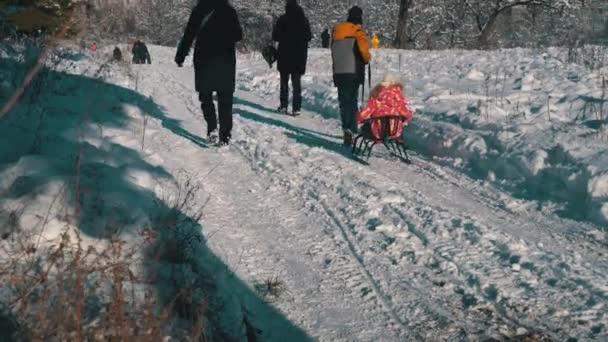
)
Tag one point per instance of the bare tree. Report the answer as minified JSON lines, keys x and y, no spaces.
{"x":487,"y":12}
{"x":162,"y":21}
{"x":110,"y":21}
{"x":402,"y":38}
{"x":430,"y":24}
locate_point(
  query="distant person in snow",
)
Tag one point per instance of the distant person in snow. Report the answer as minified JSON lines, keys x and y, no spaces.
{"x":386,"y":99}
{"x":215,"y":26}
{"x":117,"y":54}
{"x":140,"y":52}
{"x":375,"y":41}
{"x":292,"y":32}
{"x":350,"y":53}
{"x":325,"y":39}
{"x":93,"y":47}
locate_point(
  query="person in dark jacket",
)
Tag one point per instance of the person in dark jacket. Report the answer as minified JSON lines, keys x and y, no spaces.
{"x":350,"y":53}
{"x":117,"y":54}
{"x":292,"y":32}
{"x":215,"y":26}
{"x":325,"y":39}
{"x":141,"y":55}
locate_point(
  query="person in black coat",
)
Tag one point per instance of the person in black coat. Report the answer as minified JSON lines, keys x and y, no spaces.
{"x":325,"y":39}
{"x":141,"y":55}
{"x":117,"y":54}
{"x":216,"y":27}
{"x":292,"y":32}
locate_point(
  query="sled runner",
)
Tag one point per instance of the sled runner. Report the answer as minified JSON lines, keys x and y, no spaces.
{"x":381,"y":130}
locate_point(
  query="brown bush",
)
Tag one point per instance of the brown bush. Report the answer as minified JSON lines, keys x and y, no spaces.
{"x":32,"y":19}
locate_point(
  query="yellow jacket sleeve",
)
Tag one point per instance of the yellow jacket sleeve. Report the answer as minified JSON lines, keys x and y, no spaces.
{"x":362,"y":43}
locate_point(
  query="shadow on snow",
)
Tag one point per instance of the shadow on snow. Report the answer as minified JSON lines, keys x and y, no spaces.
{"x":41,"y":143}
{"x":301,"y":135}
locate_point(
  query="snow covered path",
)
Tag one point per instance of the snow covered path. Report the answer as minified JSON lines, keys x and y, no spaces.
{"x":386,"y":252}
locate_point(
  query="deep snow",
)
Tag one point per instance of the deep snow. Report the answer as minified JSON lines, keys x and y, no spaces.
{"x":386,"y":252}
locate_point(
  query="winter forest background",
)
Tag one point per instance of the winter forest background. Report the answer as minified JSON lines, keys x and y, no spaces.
{"x":120,"y":222}
{"x":413,"y":24}
{"x":428,"y":24}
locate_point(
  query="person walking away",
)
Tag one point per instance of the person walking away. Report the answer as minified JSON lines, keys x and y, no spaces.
{"x":292,"y":32}
{"x":386,"y":99}
{"x":117,"y":54}
{"x":215,"y":26}
{"x":350,"y":53}
{"x":325,"y":39}
{"x":145,"y":53}
{"x":137,"y":52}
{"x":375,"y":41}
{"x":140,"y":53}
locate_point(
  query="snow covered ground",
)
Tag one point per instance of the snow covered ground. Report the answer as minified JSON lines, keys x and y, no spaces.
{"x":526,"y":121}
{"x":496,"y":230}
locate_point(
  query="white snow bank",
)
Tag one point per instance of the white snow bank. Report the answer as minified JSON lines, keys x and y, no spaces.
{"x":529,"y":122}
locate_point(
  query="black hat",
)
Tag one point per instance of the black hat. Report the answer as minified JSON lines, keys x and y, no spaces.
{"x":355,"y":15}
{"x":291,"y":6}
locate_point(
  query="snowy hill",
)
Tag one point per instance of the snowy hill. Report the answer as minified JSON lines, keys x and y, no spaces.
{"x":497,"y":230}
{"x":530,"y":123}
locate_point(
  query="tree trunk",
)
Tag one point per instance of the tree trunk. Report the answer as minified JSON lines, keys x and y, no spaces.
{"x":401,"y":38}
{"x":452,"y":35}
{"x":488,"y":30}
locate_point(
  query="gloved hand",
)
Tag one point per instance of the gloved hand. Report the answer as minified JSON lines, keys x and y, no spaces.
{"x":179,"y":60}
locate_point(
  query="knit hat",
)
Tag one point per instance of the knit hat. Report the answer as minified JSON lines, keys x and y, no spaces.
{"x":390,"y":79}
{"x":355,"y":15}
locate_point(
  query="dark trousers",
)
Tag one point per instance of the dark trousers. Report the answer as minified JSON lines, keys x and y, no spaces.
{"x":348,"y":97}
{"x":366,"y":130}
{"x":296,"y":84}
{"x":224,"y":101}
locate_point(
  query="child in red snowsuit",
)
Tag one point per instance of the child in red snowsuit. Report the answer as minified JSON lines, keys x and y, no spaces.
{"x":386,"y":99}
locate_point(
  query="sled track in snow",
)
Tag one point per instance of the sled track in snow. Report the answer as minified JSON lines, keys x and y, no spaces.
{"x":356,"y":273}
{"x":485,"y":251}
{"x":356,"y":255}
{"x":485,"y":248}
{"x":347,"y":267}
{"x":352,"y":269}
{"x":410,"y":300}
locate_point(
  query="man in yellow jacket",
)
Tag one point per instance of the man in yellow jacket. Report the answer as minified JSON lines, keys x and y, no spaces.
{"x":350,"y":53}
